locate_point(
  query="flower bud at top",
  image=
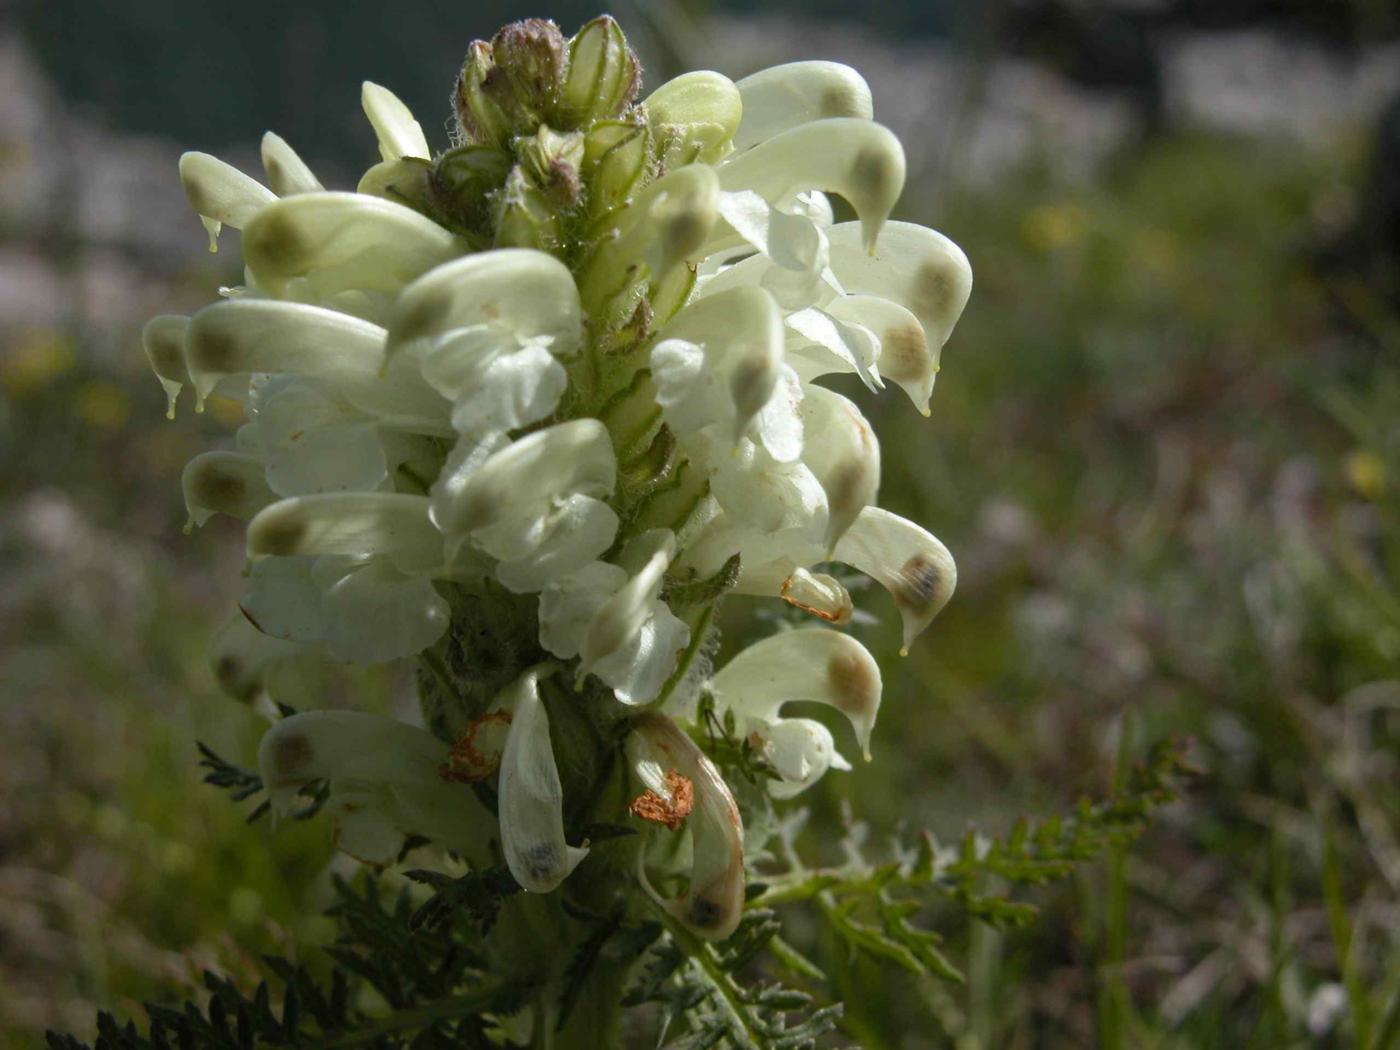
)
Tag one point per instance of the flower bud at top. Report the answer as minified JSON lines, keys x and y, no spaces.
{"x":510,"y":86}
{"x":531,"y":52}
{"x":603,"y":75}
{"x":480,"y":87}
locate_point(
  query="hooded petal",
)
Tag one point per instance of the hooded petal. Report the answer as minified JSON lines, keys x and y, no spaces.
{"x":841,"y":450}
{"x":224,"y":483}
{"x":812,"y":663}
{"x":221,"y":194}
{"x":328,"y":243}
{"x":913,"y":266}
{"x":860,"y":160}
{"x":384,"y":783}
{"x":524,"y":477}
{"x":287,"y":173}
{"x":908,"y":561}
{"x":696,"y":115}
{"x":783,"y":97}
{"x":531,"y":799}
{"x":526,"y":294}
{"x":713,"y":904}
{"x":240,"y":655}
{"x":740,"y":338}
{"x":398,"y":133}
{"x":350,"y":523}
{"x":241,"y":337}
{"x":163,"y":339}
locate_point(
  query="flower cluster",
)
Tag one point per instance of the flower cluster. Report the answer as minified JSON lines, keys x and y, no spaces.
{"x":564,"y":373}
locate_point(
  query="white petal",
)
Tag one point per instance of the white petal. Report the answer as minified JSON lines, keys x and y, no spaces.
{"x":506,"y":391}
{"x":741,"y":336}
{"x":526,"y":476}
{"x":842,"y":452}
{"x":377,"y":613}
{"x":639,"y":669}
{"x":398,"y":133}
{"x":770,"y":497}
{"x":224,"y":483}
{"x":568,"y":605}
{"x":528,"y":294}
{"x":465,"y":459}
{"x":242,"y":336}
{"x":568,"y":538}
{"x":852,"y":347}
{"x":312,"y":442}
{"x":785,"y":96}
{"x":909,"y":562}
{"x":623,"y":615}
{"x":284,"y":601}
{"x":812,"y":663}
{"x":702,"y":107}
{"x":350,"y":523}
{"x":691,"y":397}
{"x":713,"y":902}
{"x":800,"y":750}
{"x":793,"y":242}
{"x":220,"y":193}
{"x":913,"y":266}
{"x":287,"y":173}
{"x":240,"y":655}
{"x":384,"y":783}
{"x":778,"y":425}
{"x":336,"y":242}
{"x":860,"y":160}
{"x":531,"y":798}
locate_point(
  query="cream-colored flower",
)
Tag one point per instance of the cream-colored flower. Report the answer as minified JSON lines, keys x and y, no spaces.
{"x":554,"y":380}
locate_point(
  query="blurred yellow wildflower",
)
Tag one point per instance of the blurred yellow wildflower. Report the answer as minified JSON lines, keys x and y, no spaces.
{"x":103,"y":405}
{"x":35,"y":359}
{"x":1365,"y":472}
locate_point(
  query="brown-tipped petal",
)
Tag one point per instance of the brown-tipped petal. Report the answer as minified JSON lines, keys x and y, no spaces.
{"x":813,"y":663}
{"x":713,"y":904}
{"x":908,"y":561}
{"x":860,"y":160}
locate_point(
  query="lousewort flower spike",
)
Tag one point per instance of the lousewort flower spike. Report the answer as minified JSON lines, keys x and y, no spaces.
{"x":524,"y":409}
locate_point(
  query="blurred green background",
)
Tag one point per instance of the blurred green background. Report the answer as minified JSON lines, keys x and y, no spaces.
{"x":1165,"y":450}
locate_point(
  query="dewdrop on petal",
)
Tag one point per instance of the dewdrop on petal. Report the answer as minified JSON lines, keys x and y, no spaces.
{"x":221,"y":194}
{"x":526,"y":405}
